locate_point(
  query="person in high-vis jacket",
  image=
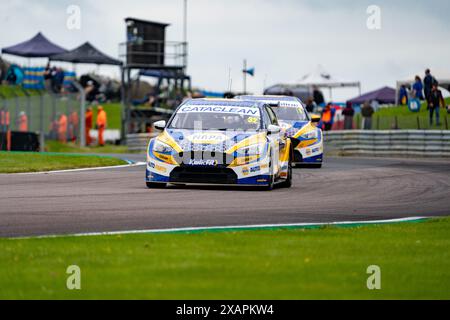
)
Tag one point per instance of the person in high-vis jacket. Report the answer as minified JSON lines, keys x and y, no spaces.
{"x":73,"y":125}
{"x":22,"y":122}
{"x":328,"y":117}
{"x":62,"y":128}
{"x":102,"y":122}
{"x":88,"y":123}
{"x":5,"y":127}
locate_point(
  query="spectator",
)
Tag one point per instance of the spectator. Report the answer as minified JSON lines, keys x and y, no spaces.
{"x":48,"y":75}
{"x":101,"y":125}
{"x":74,"y":122}
{"x":367,"y":113}
{"x":62,"y":128}
{"x":428,"y":83}
{"x":88,"y":121}
{"x":22,"y":122}
{"x":310,"y":105}
{"x":11,"y":77}
{"x":417,"y":89}
{"x":5,"y":127}
{"x":91,"y":91}
{"x":318,"y":96}
{"x":57,"y":80}
{"x":435,"y":101}
{"x":403,"y":95}
{"x":348,"y":114}
{"x":53,"y":127}
{"x":328,"y":117}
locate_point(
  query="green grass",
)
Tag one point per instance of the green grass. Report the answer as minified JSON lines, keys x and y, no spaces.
{"x":325,"y":263}
{"x":55,"y":146}
{"x":13,"y":162}
{"x":8,"y":92}
{"x":384,"y":118}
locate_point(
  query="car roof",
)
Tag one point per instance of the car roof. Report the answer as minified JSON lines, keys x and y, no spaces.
{"x":269,"y":99}
{"x":224,"y":102}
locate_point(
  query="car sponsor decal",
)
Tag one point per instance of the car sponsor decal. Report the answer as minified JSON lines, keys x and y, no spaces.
{"x":221,"y":109}
{"x":203,"y":162}
{"x":157,"y":167}
{"x":207,"y":138}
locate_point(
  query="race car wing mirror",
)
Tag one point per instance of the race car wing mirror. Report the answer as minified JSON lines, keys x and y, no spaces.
{"x":160,"y":125}
{"x":315,"y":118}
{"x":273,"y":129}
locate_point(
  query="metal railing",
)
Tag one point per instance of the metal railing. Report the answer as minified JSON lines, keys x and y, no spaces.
{"x":423,"y":143}
{"x":139,"y":141}
{"x":43,"y":112}
{"x":154,"y":54}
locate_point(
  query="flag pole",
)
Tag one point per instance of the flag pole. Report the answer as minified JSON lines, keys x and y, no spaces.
{"x":245,"y":76}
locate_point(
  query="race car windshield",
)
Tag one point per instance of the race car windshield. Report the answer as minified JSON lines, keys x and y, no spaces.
{"x":291,"y":114}
{"x":227,"y":119}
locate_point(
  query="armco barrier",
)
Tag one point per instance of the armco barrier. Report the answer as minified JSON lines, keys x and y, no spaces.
{"x":139,"y":141}
{"x":423,"y":143}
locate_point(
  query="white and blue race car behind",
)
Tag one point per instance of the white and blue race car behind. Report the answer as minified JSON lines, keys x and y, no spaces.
{"x":218,"y":141}
{"x":306,"y":137}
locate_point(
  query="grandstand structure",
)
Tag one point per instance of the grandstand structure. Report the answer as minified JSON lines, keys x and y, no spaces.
{"x":147,"y":53}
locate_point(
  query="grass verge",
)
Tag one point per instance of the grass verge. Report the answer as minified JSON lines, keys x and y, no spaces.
{"x":325,"y":263}
{"x":384,"y":118}
{"x":55,"y":146}
{"x":14,"y":162}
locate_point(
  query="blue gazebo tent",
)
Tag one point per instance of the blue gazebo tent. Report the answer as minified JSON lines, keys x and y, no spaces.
{"x":385,"y":95}
{"x":86,"y":53}
{"x":37,"y":47}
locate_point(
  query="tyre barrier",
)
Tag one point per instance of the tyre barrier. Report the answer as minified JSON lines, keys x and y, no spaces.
{"x":20,"y":141}
{"x":422,"y":143}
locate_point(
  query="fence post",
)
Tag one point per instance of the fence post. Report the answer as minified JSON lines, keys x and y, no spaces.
{"x":418,"y":123}
{"x":395,"y":123}
{"x":446,"y":122}
{"x":41,"y":123}
{"x":378,"y":122}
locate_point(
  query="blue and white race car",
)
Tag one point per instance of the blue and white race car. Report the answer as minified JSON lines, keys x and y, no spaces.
{"x":300,"y":127}
{"x":218,"y":141}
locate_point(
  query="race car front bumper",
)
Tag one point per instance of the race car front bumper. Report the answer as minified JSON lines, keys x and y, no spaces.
{"x":312,"y":154}
{"x":255,"y":174}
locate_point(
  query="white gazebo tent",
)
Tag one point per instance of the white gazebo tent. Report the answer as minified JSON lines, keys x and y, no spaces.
{"x":442,"y":78}
{"x":322,"y":79}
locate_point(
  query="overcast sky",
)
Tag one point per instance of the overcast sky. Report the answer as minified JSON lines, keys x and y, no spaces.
{"x":282,"y":39}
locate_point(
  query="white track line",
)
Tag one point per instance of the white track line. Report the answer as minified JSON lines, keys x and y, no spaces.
{"x":224,"y":228}
{"x":82,"y":169}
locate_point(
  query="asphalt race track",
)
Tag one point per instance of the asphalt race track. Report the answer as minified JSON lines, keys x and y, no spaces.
{"x":117,"y":199}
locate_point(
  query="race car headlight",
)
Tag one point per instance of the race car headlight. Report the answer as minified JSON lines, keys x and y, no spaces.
{"x":161,"y":147}
{"x":252,"y":150}
{"x":310,"y":135}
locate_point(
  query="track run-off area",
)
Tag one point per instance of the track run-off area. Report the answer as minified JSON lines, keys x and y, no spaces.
{"x":116,"y":199}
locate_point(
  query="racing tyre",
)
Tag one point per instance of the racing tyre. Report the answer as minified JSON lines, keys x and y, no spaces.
{"x":288,"y":182}
{"x":152,"y":185}
{"x":271,"y":184}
